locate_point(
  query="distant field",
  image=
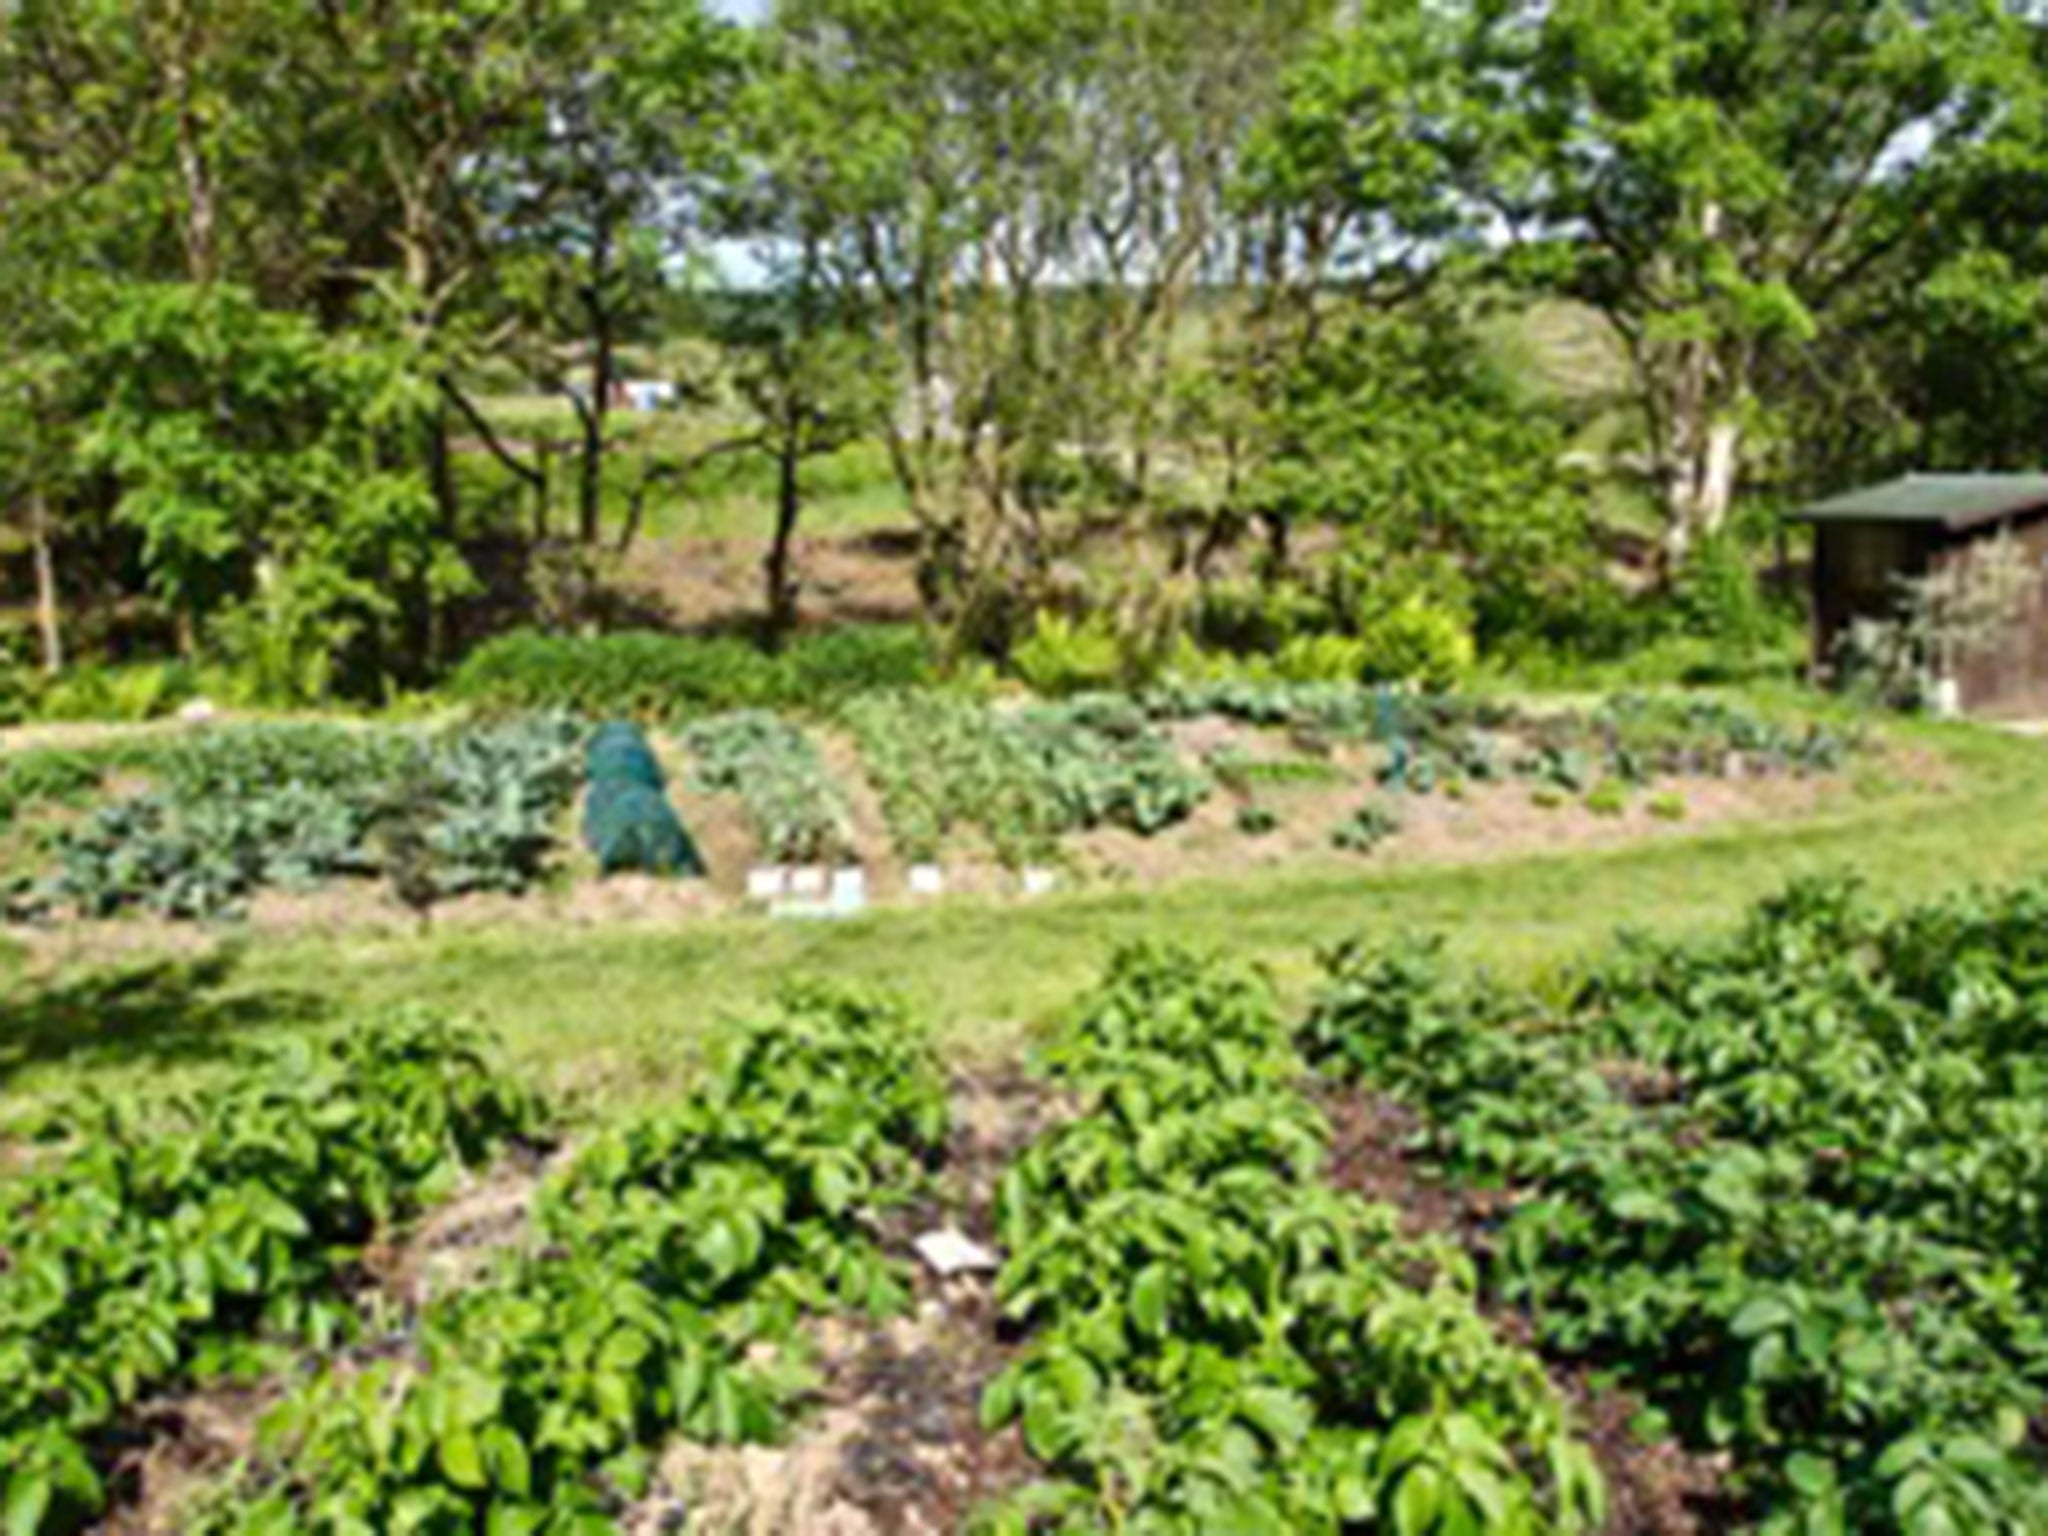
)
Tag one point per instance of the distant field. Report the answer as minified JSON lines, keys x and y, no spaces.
{"x":728,"y":497}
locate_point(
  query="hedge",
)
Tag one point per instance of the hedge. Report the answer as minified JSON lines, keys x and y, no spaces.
{"x":669,"y":677}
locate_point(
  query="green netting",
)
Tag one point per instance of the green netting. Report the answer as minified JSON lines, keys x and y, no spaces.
{"x":629,"y":826}
{"x":620,"y":751}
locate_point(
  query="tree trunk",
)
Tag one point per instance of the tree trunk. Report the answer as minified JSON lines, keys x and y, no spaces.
{"x":590,"y":521}
{"x":201,"y":215}
{"x":789,"y":505}
{"x":49,"y":623}
{"x":1701,"y":491}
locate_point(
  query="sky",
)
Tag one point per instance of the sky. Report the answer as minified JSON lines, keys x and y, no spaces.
{"x":741,"y":10}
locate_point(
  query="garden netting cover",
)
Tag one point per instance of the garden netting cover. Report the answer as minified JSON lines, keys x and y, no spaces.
{"x":628,"y":823}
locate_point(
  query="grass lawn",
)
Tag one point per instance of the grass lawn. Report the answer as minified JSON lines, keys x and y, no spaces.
{"x":616,"y":1013}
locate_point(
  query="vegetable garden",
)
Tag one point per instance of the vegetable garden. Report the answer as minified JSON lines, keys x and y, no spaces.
{"x":1398,"y":1261}
{"x":200,"y":826}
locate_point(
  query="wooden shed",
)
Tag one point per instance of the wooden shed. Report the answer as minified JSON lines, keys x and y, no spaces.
{"x":1865,"y":541}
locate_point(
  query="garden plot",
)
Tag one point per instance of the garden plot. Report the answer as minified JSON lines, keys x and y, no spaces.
{"x":1741,"y":1235}
{"x":898,"y":796}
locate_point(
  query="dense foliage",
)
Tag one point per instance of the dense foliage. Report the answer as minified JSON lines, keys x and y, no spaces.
{"x":676,"y":1260}
{"x":796,"y":813}
{"x":1786,"y":1184}
{"x":150,"y":1244}
{"x":664,"y":677}
{"x":235,"y":811}
{"x":1219,"y":1340}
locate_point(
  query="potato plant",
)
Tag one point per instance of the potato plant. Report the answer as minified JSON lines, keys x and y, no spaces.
{"x":674,"y":1263}
{"x":1789,"y":1185}
{"x":1219,"y":1340}
{"x":148,"y":1245}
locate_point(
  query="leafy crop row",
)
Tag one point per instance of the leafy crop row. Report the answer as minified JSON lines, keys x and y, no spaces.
{"x":146,"y":1247}
{"x":236,"y":811}
{"x":1023,"y":777}
{"x":796,"y":812}
{"x":1221,"y":1341}
{"x":674,"y":1263}
{"x":1792,"y":1186}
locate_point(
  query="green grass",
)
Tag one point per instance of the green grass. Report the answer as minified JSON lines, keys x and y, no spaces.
{"x":617,"y":1013}
{"x":730,"y":496}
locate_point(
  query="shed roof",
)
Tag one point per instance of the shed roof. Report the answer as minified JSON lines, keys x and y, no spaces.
{"x":1956,"y":502}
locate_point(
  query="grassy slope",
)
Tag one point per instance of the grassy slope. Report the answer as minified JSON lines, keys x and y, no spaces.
{"x":616,"y":1012}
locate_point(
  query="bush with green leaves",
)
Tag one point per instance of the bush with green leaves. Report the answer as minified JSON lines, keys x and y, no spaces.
{"x":675,"y":677}
{"x":150,"y":1245}
{"x":675,"y":1262}
{"x":1219,"y":1341}
{"x":1787,"y":1185}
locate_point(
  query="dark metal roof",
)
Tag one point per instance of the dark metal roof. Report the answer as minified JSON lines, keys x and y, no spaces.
{"x":1956,"y":502}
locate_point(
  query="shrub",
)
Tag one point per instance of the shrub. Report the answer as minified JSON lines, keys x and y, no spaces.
{"x":677,"y":677}
{"x":145,"y":691}
{"x":1067,"y":656}
{"x":1416,"y":641}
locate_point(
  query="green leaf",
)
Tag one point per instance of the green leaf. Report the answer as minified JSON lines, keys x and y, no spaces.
{"x":462,"y":1459}
{"x":1149,"y":1296}
{"x":28,"y":1500}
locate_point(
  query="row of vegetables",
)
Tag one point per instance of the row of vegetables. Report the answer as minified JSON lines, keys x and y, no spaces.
{"x":479,"y":807}
{"x":1786,"y":1187}
{"x":140,"y":1251}
{"x":1219,"y":1339}
{"x":672,"y":1265}
{"x":1791,"y":1187}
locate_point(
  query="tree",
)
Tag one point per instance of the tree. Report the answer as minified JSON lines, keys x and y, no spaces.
{"x":811,"y":381}
{"x":1723,"y":181}
{"x":1026,"y":196}
{"x":262,"y":465}
{"x":596,"y":195}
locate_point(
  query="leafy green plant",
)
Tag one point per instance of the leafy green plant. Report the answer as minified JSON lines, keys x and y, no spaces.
{"x":1780,"y":1183}
{"x":1608,"y":798}
{"x":236,"y":811}
{"x":1366,"y":828}
{"x":1219,"y":1341}
{"x":152,"y":1241}
{"x":677,"y":1258}
{"x":798,"y":815}
{"x":667,"y":677}
{"x":1256,"y":820}
{"x":1668,"y":806}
